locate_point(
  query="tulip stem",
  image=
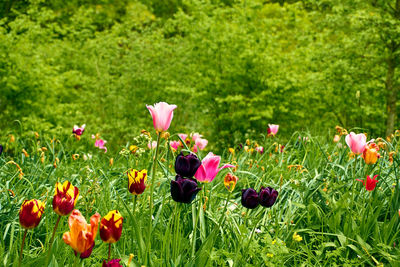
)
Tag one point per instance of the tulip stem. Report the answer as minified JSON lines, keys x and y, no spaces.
{"x":52,"y":239}
{"x":195,"y":225}
{"x":76,"y":260}
{"x":22,"y":247}
{"x":153,"y":172}
{"x":109,"y":251}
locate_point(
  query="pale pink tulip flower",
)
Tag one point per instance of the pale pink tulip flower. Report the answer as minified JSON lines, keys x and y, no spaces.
{"x":356,"y":142}
{"x":162,"y":114}
{"x":273,"y":129}
{"x":152,"y":145}
{"x":100,"y":143}
{"x":201,"y":143}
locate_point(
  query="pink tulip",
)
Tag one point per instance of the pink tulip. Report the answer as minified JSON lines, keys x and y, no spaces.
{"x":183,"y":136}
{"x":201,"y":143}
{"x":260,"y":149}
{"x":100,"y":144}
{"x":78,"y":130}
{"x":174,"y":145}
{"x":195,"y":136}
{"x":195,"y":149}
{"x":162,"y":114}
{"x":209,"y":168}
{"x":272,"y":129}
{"x":152,"y":145}
{"x":356,"y":142}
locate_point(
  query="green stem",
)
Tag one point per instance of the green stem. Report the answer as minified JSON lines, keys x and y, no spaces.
{"x":109,"y":251}
{"x":76,"y":260}
{"x":22,"y":247}
{"x":52,"y":239}
{"x":195,"y":226}
{"x":153,"y":172}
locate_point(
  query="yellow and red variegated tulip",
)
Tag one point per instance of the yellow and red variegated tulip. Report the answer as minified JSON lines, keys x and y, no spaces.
{"x":370,"y":154}
{"x":111,"y":227}
{"x":81,"y":235}
{"x":230,"y":181}
{"x":137,"y":181}
{"x":65,"y":197}
{"x":31,"y":213}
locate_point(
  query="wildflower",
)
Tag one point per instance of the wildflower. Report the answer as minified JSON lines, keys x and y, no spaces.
{"x":57,"y":160}
{"x":65,"y":198}
{"x":183,"y":190}
{"x":356,"y":142}
{"x":78,"y":130}
{"x":165,"y":135}
{"x":297,"y":237}
{"x":12,"y":138}
{"x":369,"y":184}
{"x":75,"y":156}
{"x":208,"y":169}
{"x":267,"y":196}
{"x":25,"y":153}
{"x":259,"y":149}
{"x":336,"y":138}
{"x":81,"y":235}
{"x":187,"y":166}
{"x":162,"y":114}
{"x":230,"y":181}
{"x":111,"y":161}
{"x":249,"y":198}
{"x":111,"y":227}
{"x":391,"y":157}
{"x":112,"y":263}
{"x":31,"y":213}
{"x":175,"y":145}
{"x":270,"y":255}
{"x":137,"y":181}
{"x":370,"y":154}
{"x":100,"y":144}
{"x":231,"y":150}
{"x":272,"y":129}
{"x":152,"y":145}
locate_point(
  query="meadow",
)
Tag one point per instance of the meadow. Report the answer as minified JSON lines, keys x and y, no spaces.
{"x":311,"y":201}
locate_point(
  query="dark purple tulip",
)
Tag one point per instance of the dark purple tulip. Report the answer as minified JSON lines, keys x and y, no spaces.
{"x":186,"y":166}
{"x":112,"y":263}
{"x":267,"y":196}
{"x":249,"y":198}
{"x":1,"y":149}
{"x":184,"y":190}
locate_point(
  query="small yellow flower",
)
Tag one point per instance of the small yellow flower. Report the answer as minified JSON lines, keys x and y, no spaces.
{"x":111,"y":161}
{"x":133,"y":148}
{"x":270,"y":255}
{"x":274,"y":242}
{"x":297,"y":237}
{"x":75,"y":156}
{"x":36,"y":135}
{"x":231,"y":150}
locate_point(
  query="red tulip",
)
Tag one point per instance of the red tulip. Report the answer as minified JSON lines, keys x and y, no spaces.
{"x":370,"y":184}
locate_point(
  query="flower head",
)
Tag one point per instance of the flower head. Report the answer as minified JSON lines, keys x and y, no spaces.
{"x":249,"y":198}
{"x":183,"y":137}
{"x":297,"y":237}
{"x":201,"y":143}
{"x":81,"y":235}
{"x":195,"y":136}
{"x":31,"y":213}
{"x":259,"y":149}
{"x":112,"y":263}
{"x":65,"y":197}
{"x":267,"y":196}
{"x":186,"y":166}
{"x":100,"y":143}
{"x":336,"y":138}
{"x":369,"y":183}
{"x":137,"y":181}
{"x":111,"y":227}
{"x":175,"y":145}
{"x":162,"y":114}
{"x":78,"y":130}
{"x":370,"y":154}
{"x":230,"y":181}
{"x":152,"y":145}
{"x":272,"y":129}
{"x":184,"y":190}
{"x":356,"y":142}
{"x":208,"y":169}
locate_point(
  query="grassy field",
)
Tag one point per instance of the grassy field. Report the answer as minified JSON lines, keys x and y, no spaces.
{"x":323,"y":216}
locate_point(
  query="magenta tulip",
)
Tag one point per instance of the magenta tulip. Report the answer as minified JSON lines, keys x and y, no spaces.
{"x":78,"y":130}
{"x":162,"y":114}
{"x":209,"y":168}
{"x":100,"y":143}
{"x":272,"y":129}
{"x":356,"y":142}
{"x":175,"y":145}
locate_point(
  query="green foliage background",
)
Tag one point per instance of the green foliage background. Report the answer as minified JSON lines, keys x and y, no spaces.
{"x":232,"y":67}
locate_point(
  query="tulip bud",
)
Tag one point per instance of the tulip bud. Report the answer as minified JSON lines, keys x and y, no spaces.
{"x":186,"y":166}
{"x":112,"y":263}
{"x":249,"y":198}
{"x":184,"y":190}
{"x":31,"y":213}
{"x":137,"y":181}
{"x":230,"y":181}
{"x":65,"y":197}
{"x":111,"y":227}
{"x":267,"y":196}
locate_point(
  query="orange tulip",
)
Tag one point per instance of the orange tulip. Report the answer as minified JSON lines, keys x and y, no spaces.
{"x":370,"y":154}
{"x":81,"y":235}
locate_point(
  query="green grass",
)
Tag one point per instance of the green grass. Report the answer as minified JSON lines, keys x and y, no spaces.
{"x":341,"y":224}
